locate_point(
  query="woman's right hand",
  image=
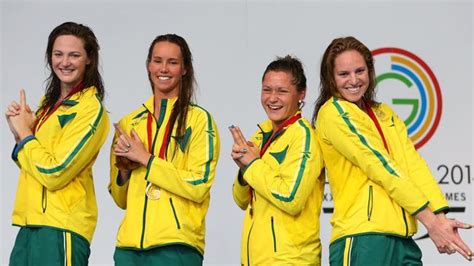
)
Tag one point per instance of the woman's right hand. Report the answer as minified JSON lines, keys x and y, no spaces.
{"x":243,"y":151}
{"x":12,"y":110}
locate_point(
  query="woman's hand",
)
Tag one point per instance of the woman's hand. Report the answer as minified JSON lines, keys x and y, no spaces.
{"x":444,"y":233}
{"x":20,"y":118}
{"x":243,"y":151}
{"x":131,"y":148}
{"x":13,"y":110}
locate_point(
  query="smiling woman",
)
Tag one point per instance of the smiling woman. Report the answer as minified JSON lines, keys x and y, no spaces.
{"x":69,"y":61}
{"x":380,"y":184}
{"x":55,"y":150}
{"x":162,"y":165}
{"x":279,"y":183}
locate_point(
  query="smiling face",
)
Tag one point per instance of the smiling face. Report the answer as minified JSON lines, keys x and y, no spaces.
{"x":351,"y":76}
{"x":166,"y":69}
{"x":280,"y":97}
{"x":69,"y":60}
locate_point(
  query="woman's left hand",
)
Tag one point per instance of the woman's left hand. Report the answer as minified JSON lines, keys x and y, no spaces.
{"x":130,"y":147}
{"x":243,"y":151}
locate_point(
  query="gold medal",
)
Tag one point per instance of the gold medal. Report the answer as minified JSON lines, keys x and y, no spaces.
{"x":153,"y":192}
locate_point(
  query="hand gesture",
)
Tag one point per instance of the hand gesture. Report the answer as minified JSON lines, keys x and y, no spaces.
{"x":243,"y":151}
{"x":444,"y":233}
{"x":20,"y":118}
{"x":130,"y":147}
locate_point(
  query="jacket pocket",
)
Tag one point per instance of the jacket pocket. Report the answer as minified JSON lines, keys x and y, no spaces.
{"x":72,"y":194}
{"x":44,"y":199}
{"x":273,"y":235}
{"x":370,"y":203}
{"x":174,"y":213}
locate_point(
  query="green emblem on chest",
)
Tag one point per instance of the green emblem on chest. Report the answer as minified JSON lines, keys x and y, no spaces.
{"x":64,"y":119}
{"x":183,"y":140}
{"x":280,"y":156}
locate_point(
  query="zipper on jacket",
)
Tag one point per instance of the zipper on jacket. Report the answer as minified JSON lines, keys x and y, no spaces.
{"x":144,"y":221}
{"x":405,"y":221}
{"x":174,"y":213}
{"x":370,"y":203}
{"x":248,"y":245}
{"x":44,"y":199}
{"x":274,"y":236}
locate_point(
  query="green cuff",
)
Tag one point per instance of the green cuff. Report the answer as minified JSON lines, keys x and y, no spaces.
{"x":421,"y":208}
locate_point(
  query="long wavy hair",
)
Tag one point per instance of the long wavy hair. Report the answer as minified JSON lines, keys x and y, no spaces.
{"x":327,"y":86}
{"x":188,"y":82}
{"x":92,"y":76}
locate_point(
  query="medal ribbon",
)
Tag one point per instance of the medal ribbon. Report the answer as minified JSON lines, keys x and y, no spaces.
{"x":376,"y":122}
{"x":48,"y":112}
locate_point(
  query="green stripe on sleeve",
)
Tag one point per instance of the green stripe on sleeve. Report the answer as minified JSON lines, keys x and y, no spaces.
{"x":211,"y":134}
{"x":362,"y":139}
{"x":75,"y":151}
{"x":304,"y":158}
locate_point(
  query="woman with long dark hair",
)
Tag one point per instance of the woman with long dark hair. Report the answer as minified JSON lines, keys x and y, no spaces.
{"x":163,"y":162}
{"x":55,"y":150}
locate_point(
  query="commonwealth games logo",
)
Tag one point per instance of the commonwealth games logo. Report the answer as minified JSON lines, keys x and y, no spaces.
{"x":413,"y":88}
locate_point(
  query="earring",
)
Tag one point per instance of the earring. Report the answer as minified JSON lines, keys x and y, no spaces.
{"x":301,"y":104}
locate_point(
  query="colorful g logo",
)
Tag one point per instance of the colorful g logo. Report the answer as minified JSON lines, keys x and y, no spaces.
{"x":423,"y":119}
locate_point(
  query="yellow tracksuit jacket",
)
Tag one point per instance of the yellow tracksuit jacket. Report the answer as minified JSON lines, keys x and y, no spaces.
{"x":185,"y":177}
{"x":55,"y":187}
{"x":287,"y":195}
{"x":374,"y":191}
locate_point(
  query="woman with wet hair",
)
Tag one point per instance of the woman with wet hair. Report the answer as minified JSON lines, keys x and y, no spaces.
{"x":380,"y":184}
{"x":163,"y":162}
{"x":55,"y":150}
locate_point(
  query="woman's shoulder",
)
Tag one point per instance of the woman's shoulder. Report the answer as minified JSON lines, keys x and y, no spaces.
{"x":336,"y":106}
{"x":198,"y":112}
{"x":137,"y":114}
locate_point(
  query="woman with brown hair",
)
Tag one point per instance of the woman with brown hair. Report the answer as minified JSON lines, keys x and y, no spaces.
{"x":380,"y":184}
{"x":163,"y":162}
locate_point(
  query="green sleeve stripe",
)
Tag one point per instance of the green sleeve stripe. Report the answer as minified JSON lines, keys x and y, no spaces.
{"x":362,"y":139}
{"x":75,"y":151}
{"x":304,"y":158}
{"x":211,"y":134}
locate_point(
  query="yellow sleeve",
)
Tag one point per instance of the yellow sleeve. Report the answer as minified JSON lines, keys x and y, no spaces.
{"x":289,"y":184}
{"x":193,"y":181}
{"x":419,"y":171}
{"x":240,"y":192}
{"x":117,"y":191}
{"x":356,"y":140}
{"x":81,"y":140}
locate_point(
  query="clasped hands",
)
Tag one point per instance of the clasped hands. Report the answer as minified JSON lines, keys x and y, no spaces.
{"x":243,"y":151}
{"x":130,"y":151}
{"x":21,"y":119}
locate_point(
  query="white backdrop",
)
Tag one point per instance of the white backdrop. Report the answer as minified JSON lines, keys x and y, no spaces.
{"x":232,"y":42}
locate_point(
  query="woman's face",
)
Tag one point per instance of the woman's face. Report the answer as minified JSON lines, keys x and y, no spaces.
{"x":166,"y":68}
{"x":280,"y":97}
{"x":351,"y":76}
{"x":69,"y":60}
